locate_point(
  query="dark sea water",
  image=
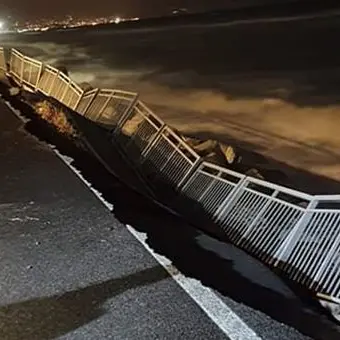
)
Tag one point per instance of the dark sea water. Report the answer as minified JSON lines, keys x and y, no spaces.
{"x":273,"y":84}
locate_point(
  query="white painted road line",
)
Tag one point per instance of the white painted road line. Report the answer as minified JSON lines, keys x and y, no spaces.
{"x":212,"y":305}
{"x":228,"y":321}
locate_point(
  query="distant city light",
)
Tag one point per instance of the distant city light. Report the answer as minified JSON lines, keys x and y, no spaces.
{"x":67,"y":22}
{"x":2,"y":25}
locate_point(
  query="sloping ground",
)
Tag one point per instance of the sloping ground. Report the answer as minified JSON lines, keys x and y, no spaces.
{"x":70,"y":269}
{"x":238,"y":277}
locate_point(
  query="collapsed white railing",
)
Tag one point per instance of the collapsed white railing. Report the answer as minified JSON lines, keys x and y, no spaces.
{"x":291,"y":230}
{"x":25,"y":70}
{"x":3,"y":66}
{"x":137,"y":131}
{"x":86,"y":100}
{"x":58,"y":85}
{"x":168,"y":160}
{"x":108,"y":106}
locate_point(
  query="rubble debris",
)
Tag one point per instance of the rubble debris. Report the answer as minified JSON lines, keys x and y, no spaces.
{"x":132,"y":124}
{"x":254,"y":173}
{"x":14,"y":91}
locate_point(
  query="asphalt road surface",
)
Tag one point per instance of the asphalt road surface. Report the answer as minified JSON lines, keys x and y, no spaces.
{"x":73,"y":269}
{"x":69,"y":268}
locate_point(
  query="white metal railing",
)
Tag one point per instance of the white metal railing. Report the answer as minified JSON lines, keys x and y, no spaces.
{"x":210,"y":185}
{"x":86,"y":101}
{"x":25,"y":70}
{"x":137,"y":130}
{"x":169,"y":158}
{"x":60,"y":86}
{"x":260,"y":215}
{"x":31,"y":72}
{"x":16,"y":65}
{"x":297,"y":232}
{"x":3,"y":65}
{"x":47,"y":80}
{"x":312,"y":256}
{"x":72,"y":94}
{"x":97,"y":104}
{"x":109,"y":106}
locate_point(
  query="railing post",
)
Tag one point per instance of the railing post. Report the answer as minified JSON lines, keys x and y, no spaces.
{"x":183,"y":188}
{"x":67,"y":87}
{"x":89,"y":103}
{"x":233,"y":195}
{"x":259,"y":215}
{"x":52,"y":83}
{"x":328,"y":257}
{"x":287,"y":246}
{"x":208,"y":187}
{"x":22,"y":70}
{"x":190,"y":173}
{"x":38,"y":77}
{"x":78,"y":101}
{"x":2,"y":59}
{"x":100,"y":112}
{"x":153,"y":141}
{"x":123,"y":119}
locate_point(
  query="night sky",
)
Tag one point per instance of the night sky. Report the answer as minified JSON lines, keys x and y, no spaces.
{"x":29,"y":9}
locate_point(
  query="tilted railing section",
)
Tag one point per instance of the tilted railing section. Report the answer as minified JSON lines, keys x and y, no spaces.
{"x":109,"y":106}
{"x":3,"y":66}
{"x":86,"y":100}
{"x":297,"y":232}
{"x":31,"y":72}
{"x":310,"y":254}
{"x":25,"y":70}
{"x":260,"y":215}
{"x":16,"y":64}
{"x":60,"y":86}
{"x":137,"y":131}
{"x":57,"y":85}
{"x":66,"y":91}
{"x":210,"y":186}
{"x":47,"y":80}
{"x":168,"y":161}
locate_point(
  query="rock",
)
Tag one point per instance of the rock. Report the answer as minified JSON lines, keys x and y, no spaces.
{"x":192,"y":142}
{"x":206,"y":147}
{"x":62,"y":68}
{"x":216,"y":158}
{"x":132,"y":124}
{"x":86,"y":86}
{"x":14,"y":91}
{"x":228,"y":152}
{"x":254,"y":173}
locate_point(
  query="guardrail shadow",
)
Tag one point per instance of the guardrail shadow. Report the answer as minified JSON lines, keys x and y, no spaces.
{"x":47,"y":318}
